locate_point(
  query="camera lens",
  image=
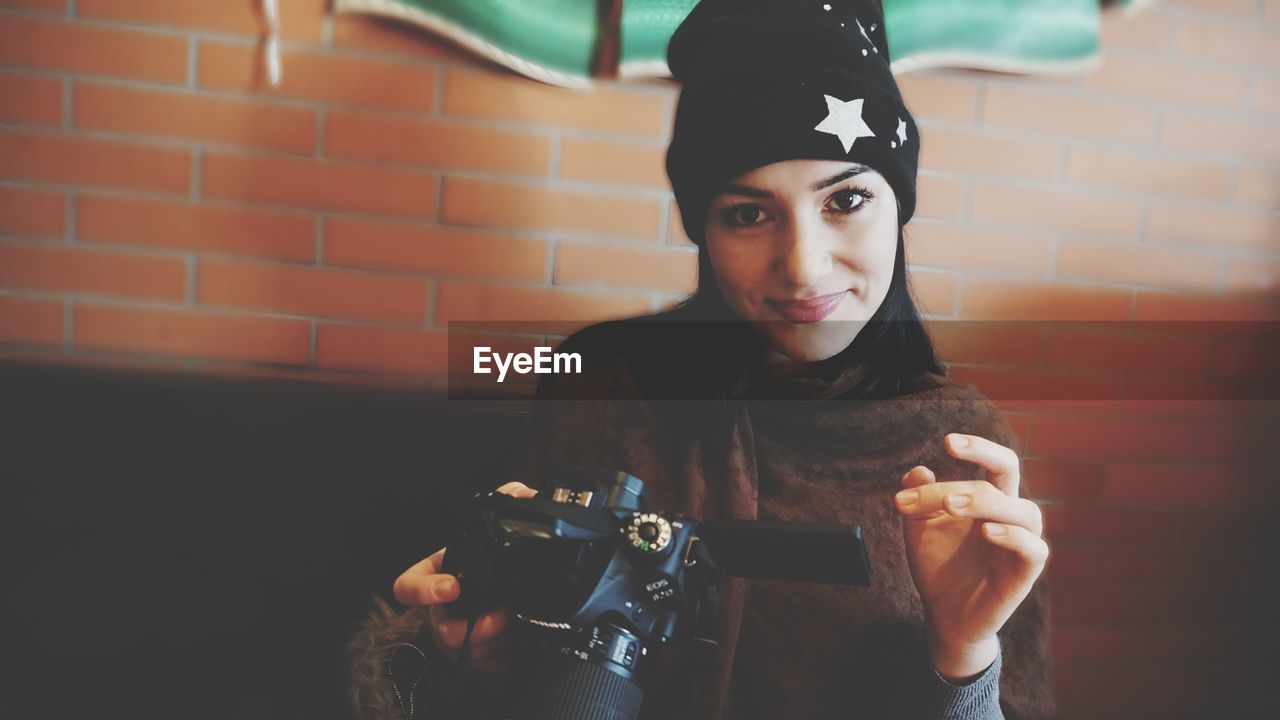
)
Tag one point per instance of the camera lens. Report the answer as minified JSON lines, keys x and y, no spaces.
{"x":568,"y":675}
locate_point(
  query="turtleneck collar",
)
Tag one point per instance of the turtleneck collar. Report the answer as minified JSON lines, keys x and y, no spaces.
{"x":821,"y":380}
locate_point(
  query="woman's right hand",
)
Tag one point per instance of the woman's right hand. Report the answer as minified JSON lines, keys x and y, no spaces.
{"x":423,"y":585}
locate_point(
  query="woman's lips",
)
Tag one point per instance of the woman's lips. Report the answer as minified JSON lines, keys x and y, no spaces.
{"x":808,"y":311}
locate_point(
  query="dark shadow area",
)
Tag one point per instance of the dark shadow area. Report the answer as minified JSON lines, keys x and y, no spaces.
{"x":188,"y":546}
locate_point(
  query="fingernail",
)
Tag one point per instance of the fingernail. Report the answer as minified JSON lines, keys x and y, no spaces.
{"x":961,"y":501}
{"x":996,"y":529}
{"x":908,"y":497}
{"x":959,"y":441}
{"x":444,"y":586}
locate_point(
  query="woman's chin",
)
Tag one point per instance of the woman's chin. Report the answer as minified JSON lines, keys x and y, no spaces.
{"x":813,"y":342}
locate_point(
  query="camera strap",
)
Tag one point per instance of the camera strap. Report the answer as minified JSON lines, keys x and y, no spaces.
{"x":704,"y":594}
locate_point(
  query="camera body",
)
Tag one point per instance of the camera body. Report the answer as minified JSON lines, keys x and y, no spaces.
{"x":597,"y":582}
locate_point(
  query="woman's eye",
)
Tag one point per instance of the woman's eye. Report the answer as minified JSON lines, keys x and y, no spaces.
{"x":743,"y":215}
{"x":849,"y":201}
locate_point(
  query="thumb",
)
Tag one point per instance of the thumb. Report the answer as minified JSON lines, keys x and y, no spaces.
{"x":918,"y":476}
{"x":517,"y":490}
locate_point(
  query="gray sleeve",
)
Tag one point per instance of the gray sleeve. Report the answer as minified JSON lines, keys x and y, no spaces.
{"x":923,"y":694}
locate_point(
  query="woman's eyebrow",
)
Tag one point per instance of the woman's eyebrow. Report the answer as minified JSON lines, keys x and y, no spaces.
{"x":824,"y":183}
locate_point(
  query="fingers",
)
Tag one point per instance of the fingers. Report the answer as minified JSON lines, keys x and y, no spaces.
{"x":518,"y":490}
{"x":976,"y":499}
{"x":1033,"y":550}
{"x":917,"y":476}
{"x":1000,"y":462}
{"x":424,"y":584}
{"x":448,"y":632}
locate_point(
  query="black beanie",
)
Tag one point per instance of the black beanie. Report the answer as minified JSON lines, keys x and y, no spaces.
{"x":772,"y":80}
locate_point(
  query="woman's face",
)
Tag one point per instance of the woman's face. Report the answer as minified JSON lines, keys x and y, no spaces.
{"x":804,"y":250}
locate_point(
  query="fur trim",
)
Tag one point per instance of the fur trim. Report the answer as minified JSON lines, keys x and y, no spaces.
{"x":367,"y":656}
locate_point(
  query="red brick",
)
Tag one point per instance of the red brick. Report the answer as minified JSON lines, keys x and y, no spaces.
{"x":320,"y":292}
{"x":465,"y":301}
{"x":945,"y":95}
{"x":192,"y":226}
{"x":49,"y":6}
{"x":1070,"y":564}
{"x":30,"y":99}
{"x":1257,"y":187}
{"x":614,"y":162}
{"x":1135,"y":645}
{"x":1167,"y":306}
{"x":1155,"y":78}
{"x":198,"y":334}
{"x":933,"y":291}
{"x":444,"y":250}
{"x":1055,"y":210}
{"x":1024,"y":107}
{"x":985,"y":343}
{"x":191,"y":116}
{"x":986,"y":153}
{"x":386,"y":36}
{"x":1172,"y":567}
{"x":999,"y":300}
{"x":1226,"y":8}
{"x":320,"y":184}
{"x":1266,"y":96}
{"x":66,"y":46}
{"x":299,"y":19}
{"x":1062,"y":479}
{"x":1137,"y":263}
{"x":1252,"y":357}
{"x":1228,"y":42}
{"x":1026,"y":384}
{"x":614,"y":265}
{"x":75,"y":269}
{"x":1027,"y":254}
{"x":1096,"y":348}
{"x":23,"y":320}
{"x":51,"y":157}
{"x":1212,"y":227}
{"x":1100,"y":438}
{"x":1253,"y":275}
{"x":472,"y":202}
{"x":1148,"y":31}
{"x":501,"y":94}
{"x":315,"y":75}
{"x":940,"y":197}
{"x":1143,"y":607}
{"x":1177,"y":485}
{"x":352,"y":347}
{"x":32,"y":212}
{"x":1242,"y":138}
{"x":368,"y":136}
{"x":1146,"y":174}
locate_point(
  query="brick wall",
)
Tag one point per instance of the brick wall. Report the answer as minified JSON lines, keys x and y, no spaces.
{"x":160,"y":205}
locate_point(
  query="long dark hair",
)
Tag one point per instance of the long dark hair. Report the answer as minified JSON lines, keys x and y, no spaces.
{"x":895,"y":343}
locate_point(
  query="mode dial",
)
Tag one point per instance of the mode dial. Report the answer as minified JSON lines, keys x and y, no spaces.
{"x":649,"y":533}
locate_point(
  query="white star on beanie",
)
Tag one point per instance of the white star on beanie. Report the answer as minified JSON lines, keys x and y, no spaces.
{"x":844,"y":120}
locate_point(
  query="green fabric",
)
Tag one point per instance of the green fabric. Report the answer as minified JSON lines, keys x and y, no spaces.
{"x":555,"y":35}
{"x":555,"y":40}
{"x":997,"y":34}
{"x":647,"y":25}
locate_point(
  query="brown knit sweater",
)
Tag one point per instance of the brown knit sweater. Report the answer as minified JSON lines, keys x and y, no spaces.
{"x":800,"y":449}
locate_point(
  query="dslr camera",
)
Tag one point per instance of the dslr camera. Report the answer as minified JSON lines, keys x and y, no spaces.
{"x":598,"y":584}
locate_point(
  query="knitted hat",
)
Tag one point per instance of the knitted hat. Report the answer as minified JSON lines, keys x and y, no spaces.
{"x":772,"y":80}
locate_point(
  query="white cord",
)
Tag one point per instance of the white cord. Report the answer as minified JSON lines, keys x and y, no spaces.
{"x":271,"y":9}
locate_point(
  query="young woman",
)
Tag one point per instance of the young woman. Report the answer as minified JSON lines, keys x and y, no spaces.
{"x":798,"y":384}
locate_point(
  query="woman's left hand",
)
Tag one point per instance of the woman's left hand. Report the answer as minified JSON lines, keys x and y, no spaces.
{"x":975,"y":550}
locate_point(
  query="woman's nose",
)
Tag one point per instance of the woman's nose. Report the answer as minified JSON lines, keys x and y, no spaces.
{"x":804,"y":254}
